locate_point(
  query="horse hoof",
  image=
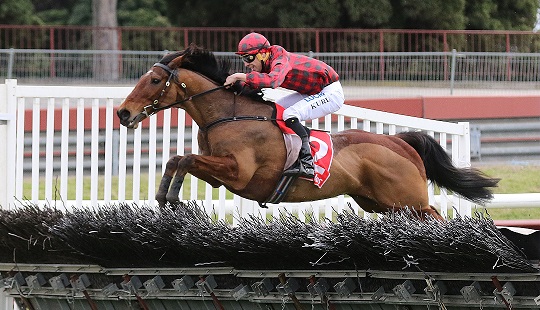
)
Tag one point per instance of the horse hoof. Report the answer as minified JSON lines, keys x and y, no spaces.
{"x":161,"y":198}
{"x":173,"y":200}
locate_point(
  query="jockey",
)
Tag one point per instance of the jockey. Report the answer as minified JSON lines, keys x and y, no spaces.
{"x":318,"y":91}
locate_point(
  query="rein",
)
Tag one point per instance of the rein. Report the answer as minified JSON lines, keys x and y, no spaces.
{"x":167,"y":84}
{"x":172,"y":73}
{"x":235,"y":118}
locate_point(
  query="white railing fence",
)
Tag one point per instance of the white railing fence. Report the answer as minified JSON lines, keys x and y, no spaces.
{"x":91,"y":153}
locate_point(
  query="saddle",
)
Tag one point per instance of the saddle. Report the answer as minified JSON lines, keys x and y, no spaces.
{"x":321,"y":150}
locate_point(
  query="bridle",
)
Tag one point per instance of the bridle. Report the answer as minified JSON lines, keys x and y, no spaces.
{"x":172,"y":73}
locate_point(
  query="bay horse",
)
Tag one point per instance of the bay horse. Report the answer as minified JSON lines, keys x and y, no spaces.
{"x":242,"y":148}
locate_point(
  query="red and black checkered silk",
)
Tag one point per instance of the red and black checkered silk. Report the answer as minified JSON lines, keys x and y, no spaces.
{"x":292,"y":71}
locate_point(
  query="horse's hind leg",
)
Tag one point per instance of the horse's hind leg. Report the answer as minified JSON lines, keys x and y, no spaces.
{"x":422,"y":214}
{"x":370,"y":205}
{"x":366,"y":204}
{"x":431,"y":211}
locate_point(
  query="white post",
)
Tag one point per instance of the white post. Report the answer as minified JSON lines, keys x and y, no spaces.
{"x":464,"y":160}
{"x":4,"y":120}
{"x":152,"y":155}
{"x":8,"y":105}
{"x":443,"y":191}
{"x":64,"y":155}
{"x":49,"y":151}
{"x":107,"y":188}
{"x":79,"y":154}
{"x":194,"y":182}
{"x":94,"y":158}
{"x":137,"y":164}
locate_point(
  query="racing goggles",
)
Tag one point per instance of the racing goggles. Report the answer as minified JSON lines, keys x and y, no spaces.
{"x":248,"y":58}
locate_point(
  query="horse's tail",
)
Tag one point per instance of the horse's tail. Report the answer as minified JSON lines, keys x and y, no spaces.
{"x":470,"y":183}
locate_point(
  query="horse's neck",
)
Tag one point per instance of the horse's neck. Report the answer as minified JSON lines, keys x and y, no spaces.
{"x":223,"y":105}
{"x":249,"y":106}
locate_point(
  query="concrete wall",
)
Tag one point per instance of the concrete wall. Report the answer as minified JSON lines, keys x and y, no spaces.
{"x":503,"y":128}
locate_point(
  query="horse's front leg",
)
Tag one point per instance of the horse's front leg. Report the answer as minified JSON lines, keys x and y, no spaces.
{"x":170,"y":172}
{"x":213,"y":170}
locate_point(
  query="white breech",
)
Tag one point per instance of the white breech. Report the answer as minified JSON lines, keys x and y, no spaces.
{"x":308,"y":107}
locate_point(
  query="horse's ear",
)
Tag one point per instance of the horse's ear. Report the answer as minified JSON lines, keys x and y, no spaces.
{"x":176,"y":62}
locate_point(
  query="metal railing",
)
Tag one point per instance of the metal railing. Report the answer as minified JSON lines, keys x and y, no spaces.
{"x":442,"y":72}
{"x":223,"y":39}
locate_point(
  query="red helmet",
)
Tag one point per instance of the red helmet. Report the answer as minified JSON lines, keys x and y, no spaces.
{"x":252,"y":43}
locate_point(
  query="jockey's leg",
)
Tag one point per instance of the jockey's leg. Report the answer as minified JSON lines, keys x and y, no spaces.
{"x":305,"y":107}
{"x":299,"y":108}
{"x":304,"y":167}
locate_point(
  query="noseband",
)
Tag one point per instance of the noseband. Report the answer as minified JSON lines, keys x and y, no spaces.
{"x":172,"y":73}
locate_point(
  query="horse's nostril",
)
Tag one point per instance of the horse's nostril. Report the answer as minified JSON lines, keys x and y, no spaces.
{"x":123,"y":114}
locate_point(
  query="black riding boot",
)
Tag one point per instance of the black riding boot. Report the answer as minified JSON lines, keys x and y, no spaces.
{"x":304,"y":165}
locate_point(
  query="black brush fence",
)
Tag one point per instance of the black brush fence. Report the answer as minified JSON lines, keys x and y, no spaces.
{"x":125,"y":246}
{"x":186,"y":236}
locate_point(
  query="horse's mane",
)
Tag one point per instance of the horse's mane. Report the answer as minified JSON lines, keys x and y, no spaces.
{"x":201,"y":60}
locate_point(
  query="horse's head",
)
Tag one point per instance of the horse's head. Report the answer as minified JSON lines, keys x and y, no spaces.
{"x":162,"y":87}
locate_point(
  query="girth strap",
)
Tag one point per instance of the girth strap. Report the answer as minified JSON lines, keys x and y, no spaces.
{"x":281,"y":190}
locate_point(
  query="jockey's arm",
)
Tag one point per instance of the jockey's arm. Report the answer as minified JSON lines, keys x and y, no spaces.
{"x":231,"y":79}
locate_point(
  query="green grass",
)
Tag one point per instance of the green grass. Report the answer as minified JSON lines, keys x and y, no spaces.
{"x":515,"y":214}
{"x":514,"y":179}
{"x":128,"y":182}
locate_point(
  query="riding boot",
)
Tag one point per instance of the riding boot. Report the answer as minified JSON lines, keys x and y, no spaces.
{"x":304,"y":165}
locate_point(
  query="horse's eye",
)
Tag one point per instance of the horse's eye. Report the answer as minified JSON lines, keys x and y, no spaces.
{"x":156,"y":81}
